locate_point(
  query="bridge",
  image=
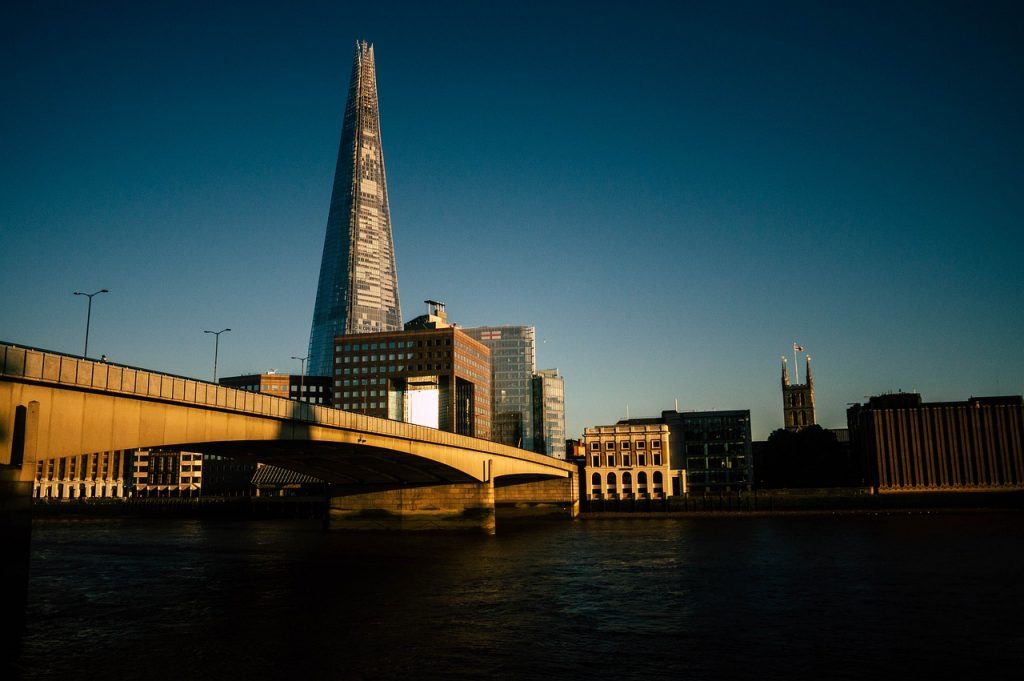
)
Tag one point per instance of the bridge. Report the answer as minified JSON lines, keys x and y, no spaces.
{"x":381,"y":472}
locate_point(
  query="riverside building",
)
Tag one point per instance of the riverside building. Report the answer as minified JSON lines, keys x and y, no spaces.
{"x":431,"y":374}
{"x":627,"y":461}
{"x":96,"y":475}
{"x":912,"y":446}
{"x":171,"y":473}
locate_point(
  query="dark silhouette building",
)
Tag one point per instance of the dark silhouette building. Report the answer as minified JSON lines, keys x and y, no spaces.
{"x":910,"y":445}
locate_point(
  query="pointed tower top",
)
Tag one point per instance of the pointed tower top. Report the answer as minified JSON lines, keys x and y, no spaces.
{"x":810,"y":378}
{"x":785,"y":371}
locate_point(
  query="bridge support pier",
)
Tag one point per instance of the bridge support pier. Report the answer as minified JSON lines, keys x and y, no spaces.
{"x":455,"y":506}
{"x":555,"y":498}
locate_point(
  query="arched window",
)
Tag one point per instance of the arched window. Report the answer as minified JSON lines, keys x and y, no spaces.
{"x":657,"y":482}
{"x":611,"y":484}
{"x":627,"y":483}
{"x":595,"y":484}
{"x":641,"y":482}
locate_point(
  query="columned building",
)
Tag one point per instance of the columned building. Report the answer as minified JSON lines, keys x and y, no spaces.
{"x":358,"y":287}
{"x":627,"y":461}
{"x":100,"y":474}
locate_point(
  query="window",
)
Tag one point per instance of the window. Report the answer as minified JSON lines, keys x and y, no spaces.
{"x":610,"y":446}
{"x":655,"y":444}
{"x":641,"y":482}
{"x":641,"y":459}
{"x":640,"y":444}
{"x":611,"y":459}
{"x":626,"y":461}
{"x":627,"y":484}
{"x":595,"y":461}
{"x":624,"y":445}
{"x":611,"y":484}
{"x":595,"y":483}
{"x":657,"y":458}
{"x":595,"y":446}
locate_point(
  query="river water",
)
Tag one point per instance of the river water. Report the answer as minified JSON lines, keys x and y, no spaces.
{"x":825,"y":596}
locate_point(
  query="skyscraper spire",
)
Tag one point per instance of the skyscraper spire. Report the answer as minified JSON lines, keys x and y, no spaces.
{"x":358,"y":288}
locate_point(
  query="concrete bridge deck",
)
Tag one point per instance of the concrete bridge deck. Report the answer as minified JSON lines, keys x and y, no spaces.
{"x":57,"y":405}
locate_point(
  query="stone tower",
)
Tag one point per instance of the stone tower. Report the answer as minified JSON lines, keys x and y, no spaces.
{"x":797,"y":399}
{"x":358,"y":289}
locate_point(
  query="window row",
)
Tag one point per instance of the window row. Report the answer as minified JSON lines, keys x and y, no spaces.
{"x":611,"y":483}
{"x":627,"y":459}
{"x":625,"y":445}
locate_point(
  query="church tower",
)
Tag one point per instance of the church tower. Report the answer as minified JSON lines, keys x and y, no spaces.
{"x":797,"y":399}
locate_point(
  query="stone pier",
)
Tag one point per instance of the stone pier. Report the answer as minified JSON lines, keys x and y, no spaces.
{"x":455,"y":506}
{"x":551,"y":497}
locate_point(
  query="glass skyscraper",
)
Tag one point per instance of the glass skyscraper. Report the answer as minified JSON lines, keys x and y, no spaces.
{"x":513,"y":362}
{"x":358,"y":289}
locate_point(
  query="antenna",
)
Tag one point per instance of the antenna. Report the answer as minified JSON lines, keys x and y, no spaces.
{"x":627,"y":411}
{"x":677,"y":404}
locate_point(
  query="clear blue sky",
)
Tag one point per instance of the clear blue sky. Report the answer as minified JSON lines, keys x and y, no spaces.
{"x":671,"y":193}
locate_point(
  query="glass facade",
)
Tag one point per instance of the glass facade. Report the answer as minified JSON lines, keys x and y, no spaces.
{"x":549,"y":413}
{"x":714,"y":447}
{"x":358,"y":288}
{"x":513,"y":363}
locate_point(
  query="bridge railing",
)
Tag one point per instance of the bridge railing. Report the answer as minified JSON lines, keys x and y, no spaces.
{"x":73,"y":371}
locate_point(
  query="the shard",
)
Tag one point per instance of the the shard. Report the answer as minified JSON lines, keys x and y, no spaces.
{"x":358,"y":289}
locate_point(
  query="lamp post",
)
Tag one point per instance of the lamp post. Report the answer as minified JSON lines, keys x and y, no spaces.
{"x":88,"y":317}
{"x":216,"y":349}
{"x":302,"y":374}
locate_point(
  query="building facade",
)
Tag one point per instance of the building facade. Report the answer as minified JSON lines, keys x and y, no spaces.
{"x":797,"y":399}
{"x":627,"y":461}
{"x":912,"y":446}
{"x":358,"y":287}
{"x":97,"y":475}
{"x":173,"y":473}
{"x":549,"y":413}
{"x":712,"y":447}
{"x":432,"y":374}
{"x":513,"y":364}
{"x":312,"y":389}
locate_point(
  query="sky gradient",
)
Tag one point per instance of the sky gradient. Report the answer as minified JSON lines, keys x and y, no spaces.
{"x":672,"y":194}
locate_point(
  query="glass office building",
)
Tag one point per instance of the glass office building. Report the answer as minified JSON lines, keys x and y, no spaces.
{"x":513,"y":363}
{"x":358,"y":288}
{"x":549,"y":413}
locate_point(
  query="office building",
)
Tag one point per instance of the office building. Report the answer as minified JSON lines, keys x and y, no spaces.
{"x":312,"y":389}
{"x":912,"y":446}
{"x":549,"y":413}
{"x":513,"y":364}
{"x":172,"y":473}
{"x":358,"y":286}
{"x":627,"y":461}
{"x":431,"y":374}
{"x":797,"y":399}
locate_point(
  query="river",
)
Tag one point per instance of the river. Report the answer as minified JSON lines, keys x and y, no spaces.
{"x":783,"y":597}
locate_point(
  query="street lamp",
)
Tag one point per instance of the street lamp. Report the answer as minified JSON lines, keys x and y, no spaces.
{"x":88,"y":317}
{"x":216,"y":348}
{"x":302,"y":374}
